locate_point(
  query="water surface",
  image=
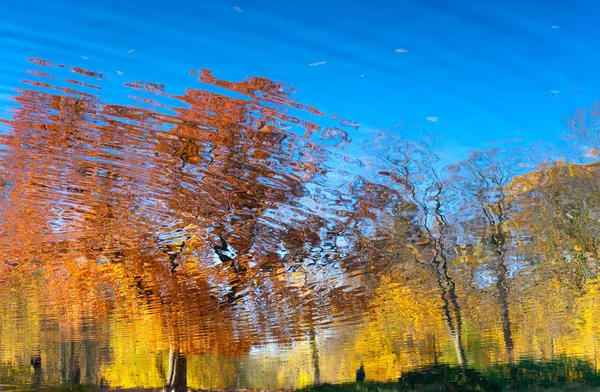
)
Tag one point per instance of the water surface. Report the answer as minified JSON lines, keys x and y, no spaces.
{"x":272,"y":195}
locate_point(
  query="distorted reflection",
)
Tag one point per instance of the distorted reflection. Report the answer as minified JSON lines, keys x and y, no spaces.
{"x":230,"y":237}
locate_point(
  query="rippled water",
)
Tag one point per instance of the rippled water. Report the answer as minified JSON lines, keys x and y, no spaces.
{"x":273,"y":195}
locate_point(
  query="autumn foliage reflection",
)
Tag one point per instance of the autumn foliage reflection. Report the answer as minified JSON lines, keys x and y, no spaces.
{"x":198,"y":238}
{"x":165,"y":212}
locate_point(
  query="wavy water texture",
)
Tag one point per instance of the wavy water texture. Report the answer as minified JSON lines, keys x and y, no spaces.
{"x":240,"y":238}
{"x":213,"y":190}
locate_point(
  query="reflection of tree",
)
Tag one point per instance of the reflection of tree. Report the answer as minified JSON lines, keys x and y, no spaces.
{"x":312,"y":337}
{"x":585,"y":125}
{"x":165,"y":212}
{"x":440,"y":261}
{"x":559,"y":208}
{"x":487,"y":179}
{"x":427,"y":230}
{"x":563,"y":216}
{"x":553,"y":220}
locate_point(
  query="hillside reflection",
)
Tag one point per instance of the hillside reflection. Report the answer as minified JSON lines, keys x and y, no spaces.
{"x":228,"y":236}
